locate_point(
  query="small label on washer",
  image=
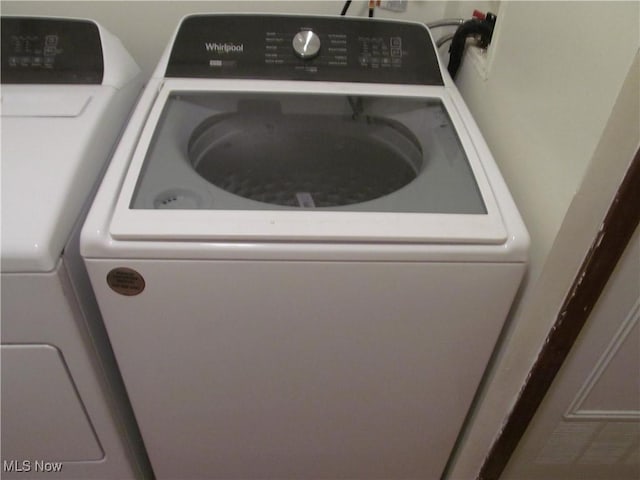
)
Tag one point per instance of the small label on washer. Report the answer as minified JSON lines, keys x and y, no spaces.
{"x":305,"y":200}
{"x":125,"y":281}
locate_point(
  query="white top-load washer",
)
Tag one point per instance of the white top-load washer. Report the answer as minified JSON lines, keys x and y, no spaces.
{"x":303,"y":252}
{"x":68,"y":87}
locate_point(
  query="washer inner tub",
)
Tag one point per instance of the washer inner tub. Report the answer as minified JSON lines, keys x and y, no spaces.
{"x":304,"y":160}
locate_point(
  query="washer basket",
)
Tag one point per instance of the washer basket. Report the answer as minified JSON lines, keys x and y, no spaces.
{"x":304,"y":160}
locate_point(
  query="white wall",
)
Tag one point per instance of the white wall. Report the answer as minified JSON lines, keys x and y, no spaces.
{"x":555,"y":70}
{"x":145,"y":27}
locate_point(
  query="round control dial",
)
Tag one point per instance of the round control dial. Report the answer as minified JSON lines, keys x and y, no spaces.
{"x":306,"y":44}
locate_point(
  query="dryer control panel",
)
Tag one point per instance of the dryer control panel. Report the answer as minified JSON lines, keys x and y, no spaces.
{"x":51,"y":51}
{"x":339,"y":49}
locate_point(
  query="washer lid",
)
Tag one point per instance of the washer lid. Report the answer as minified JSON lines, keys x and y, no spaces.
{"x":244,"y":164}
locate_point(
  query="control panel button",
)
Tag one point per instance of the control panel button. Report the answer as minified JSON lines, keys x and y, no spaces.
{"x":306,"y":44}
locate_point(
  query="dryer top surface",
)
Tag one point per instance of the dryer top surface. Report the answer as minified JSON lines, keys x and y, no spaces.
{"x":49,"y":165}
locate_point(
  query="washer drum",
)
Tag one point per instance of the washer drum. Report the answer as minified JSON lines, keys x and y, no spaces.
{"x":304,"y":160}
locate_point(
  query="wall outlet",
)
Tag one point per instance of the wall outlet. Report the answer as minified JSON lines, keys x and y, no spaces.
{"x":394,"y":5}
{"x":480,"y":59}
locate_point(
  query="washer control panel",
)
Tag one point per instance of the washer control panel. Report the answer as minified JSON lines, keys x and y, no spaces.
{"x":340,"y":49}
{"x":51,"y":51}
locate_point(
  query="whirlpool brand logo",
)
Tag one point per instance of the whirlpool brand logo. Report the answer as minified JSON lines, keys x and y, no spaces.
{"x":224,"y":47}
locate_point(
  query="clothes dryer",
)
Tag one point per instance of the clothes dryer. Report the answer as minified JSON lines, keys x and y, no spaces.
{"x":68,"y":87}
{"x":303,"y":251}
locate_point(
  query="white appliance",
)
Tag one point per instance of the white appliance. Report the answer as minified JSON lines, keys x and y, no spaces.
{"x":303,"y":252}
{"x":68,"y":87}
